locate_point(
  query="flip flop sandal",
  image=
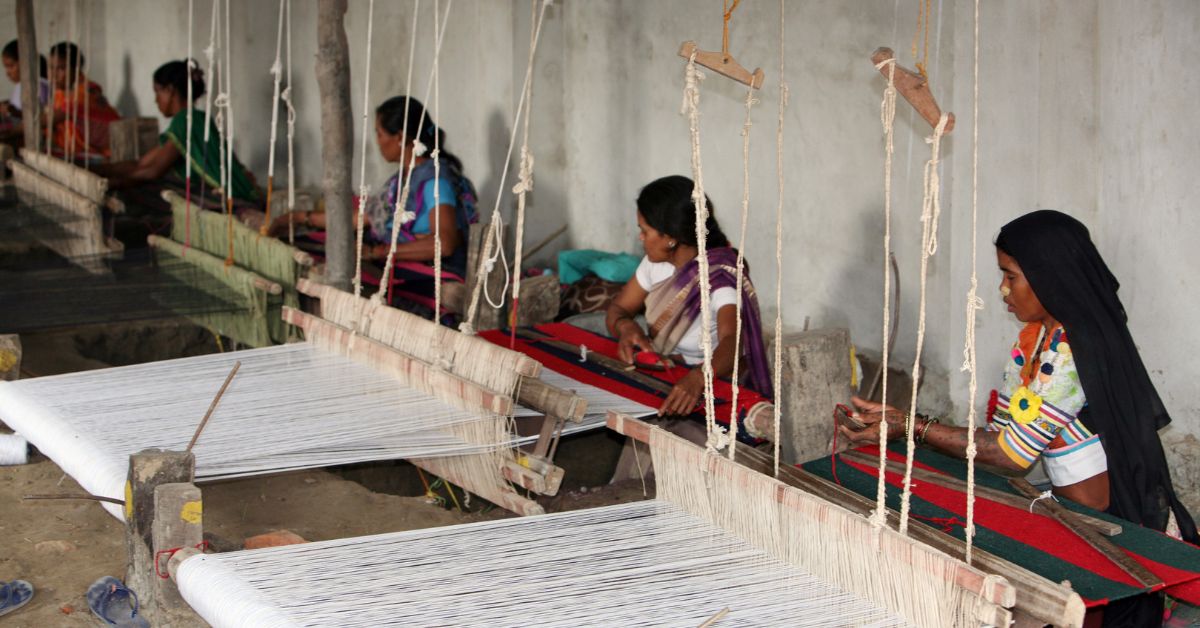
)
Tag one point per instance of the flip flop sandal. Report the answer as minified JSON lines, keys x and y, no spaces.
{"x":115,"y":604}
{"x":14,"y":595}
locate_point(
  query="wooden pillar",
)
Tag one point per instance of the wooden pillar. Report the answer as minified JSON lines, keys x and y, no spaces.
{"x":148,"y":470}
{"x":31,"y":109}
{"x":333,"y":79}
{"x":10,"y":357}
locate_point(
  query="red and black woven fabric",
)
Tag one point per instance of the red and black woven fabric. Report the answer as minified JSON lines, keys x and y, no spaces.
{"x":1030,"y":540}
{"x":614,"y":381}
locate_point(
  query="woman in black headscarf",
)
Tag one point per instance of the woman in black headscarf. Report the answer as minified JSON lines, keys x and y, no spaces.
{"x":1087,"y":408}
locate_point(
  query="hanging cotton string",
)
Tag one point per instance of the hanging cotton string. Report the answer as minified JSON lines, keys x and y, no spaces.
{"x":277,"y":72}
{"x":212,"y":108}
{"x":398,"y":212}
{"x":974,"y":303}
{"x":229,"y":125}
{"x":493,"y":244}
{"x":363,"y":189}
{"x":741,"y":256}
{"x":286,"y":96}
{"x":523,"y":187}
{"x":931,"y":208}
{"x":437,"y":180}
{"x":14,"y":449}
{"x":71,"y":148}
{"x":887,"y":116}
{"x":187,"y":158}
{"x":778,"y":374}
{"x":691,"y":107}
{"x":638,"y":564}
{"x":401,"y":214}
{"x":87,"y":128}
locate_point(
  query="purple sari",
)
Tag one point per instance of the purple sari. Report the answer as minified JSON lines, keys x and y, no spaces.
{"x":673,"y":306}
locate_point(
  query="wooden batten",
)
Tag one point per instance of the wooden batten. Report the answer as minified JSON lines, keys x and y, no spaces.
{"x":82,"y":237}
{"x":83,"y":182}
{"x":998,"y":593}
{"x":505,"y":497}
{"x":914,"y":88}
{"x":723,"y":64}
{"x":182,"y":252}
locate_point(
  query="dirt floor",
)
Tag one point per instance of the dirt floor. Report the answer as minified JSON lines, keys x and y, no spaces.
{"x":62,"y":546}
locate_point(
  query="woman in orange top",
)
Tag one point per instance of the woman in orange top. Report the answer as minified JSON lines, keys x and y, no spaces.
{"x":81,"y":114}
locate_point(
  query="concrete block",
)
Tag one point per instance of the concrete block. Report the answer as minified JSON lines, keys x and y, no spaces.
{"x":816,"y":377}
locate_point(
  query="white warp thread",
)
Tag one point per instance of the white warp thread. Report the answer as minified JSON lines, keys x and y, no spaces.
{"x":14,"y":449}
{"x":778,"y":374}
{"x":90,"y":422}
{"x":974,"y":304}
{"x":638,"y":564}
{"x":741,"y":257}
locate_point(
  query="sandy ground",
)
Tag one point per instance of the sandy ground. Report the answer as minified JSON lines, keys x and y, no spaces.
{"x":62,"y":546}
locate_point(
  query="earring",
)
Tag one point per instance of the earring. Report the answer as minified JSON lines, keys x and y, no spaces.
{"x":671,"y":244}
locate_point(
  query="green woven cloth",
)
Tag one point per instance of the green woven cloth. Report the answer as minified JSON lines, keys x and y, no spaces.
{"x":209,"y":231}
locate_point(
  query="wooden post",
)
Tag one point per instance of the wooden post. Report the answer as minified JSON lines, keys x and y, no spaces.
{"x":148,"y":469}
{"x":816,"y":368}
{"x":177,"y":524}
{"x":333,"y":79}
{"x":10,"y":357}
{"x":31,"y":109}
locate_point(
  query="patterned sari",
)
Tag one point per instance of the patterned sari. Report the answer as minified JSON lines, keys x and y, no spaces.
{"x":674,"y":306}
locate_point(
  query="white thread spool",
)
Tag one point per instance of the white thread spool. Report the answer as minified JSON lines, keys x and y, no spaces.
{"x":14,"y":449}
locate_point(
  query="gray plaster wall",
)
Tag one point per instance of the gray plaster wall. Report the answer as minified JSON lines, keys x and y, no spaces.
{"x":1085,"y":106}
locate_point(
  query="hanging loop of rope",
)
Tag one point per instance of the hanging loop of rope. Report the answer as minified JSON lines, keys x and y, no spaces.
{"x":728,"y":16}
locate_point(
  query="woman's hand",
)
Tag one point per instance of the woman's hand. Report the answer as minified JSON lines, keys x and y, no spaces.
{"x":873,"y":414}
{"x":685,"y":395}
{"x":631,"y":340}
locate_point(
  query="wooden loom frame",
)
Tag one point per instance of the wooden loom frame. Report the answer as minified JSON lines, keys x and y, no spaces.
{"x":80,"y":193}
{"x":532,"y":470}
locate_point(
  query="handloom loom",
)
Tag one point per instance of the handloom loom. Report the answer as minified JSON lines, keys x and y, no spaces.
{"x":64,"y":270}
{"x":71,"y":200}
{"x":370,"y":383}
{"x":262,"y":271}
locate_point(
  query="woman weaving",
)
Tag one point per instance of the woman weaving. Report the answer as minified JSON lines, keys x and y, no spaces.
{"x":1075,"y":393}
{"x":440,"y":200}
{"x":167,"y":159}
{"x":666,"y":285}
{"x":81,"y":114}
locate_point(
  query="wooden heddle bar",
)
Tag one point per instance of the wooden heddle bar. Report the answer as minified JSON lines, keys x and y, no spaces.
{"x":82,"y":234}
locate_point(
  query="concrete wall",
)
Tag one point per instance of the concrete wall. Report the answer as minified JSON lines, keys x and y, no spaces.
{"x":1085,"y":107}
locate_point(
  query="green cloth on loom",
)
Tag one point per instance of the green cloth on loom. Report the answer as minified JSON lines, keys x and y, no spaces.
{"x":206,"y":156}
{"x":208,"y":231}
{"x":248,"y":326}
{"x":615,"y":267}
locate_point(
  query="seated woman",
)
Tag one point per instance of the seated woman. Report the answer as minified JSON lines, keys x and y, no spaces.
{"x":667,"y":287}
{"x":447,"y":202}
{"x":170,"y":95}
{"x":81,"y":113}
{"x":1075,"y":393}
{"x":10,"y":110}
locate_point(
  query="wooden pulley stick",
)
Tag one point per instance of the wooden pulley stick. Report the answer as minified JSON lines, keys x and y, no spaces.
{"x":914,"y":88}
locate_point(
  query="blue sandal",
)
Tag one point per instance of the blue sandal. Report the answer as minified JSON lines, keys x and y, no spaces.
{"x":115,"y":604}
{"x":14,"y":595}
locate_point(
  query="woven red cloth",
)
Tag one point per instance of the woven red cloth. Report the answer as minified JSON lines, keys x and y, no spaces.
{"x":1031,"y":540}
{"x":617,"y":382}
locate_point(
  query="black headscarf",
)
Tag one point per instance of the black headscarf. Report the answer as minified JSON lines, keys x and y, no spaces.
{"x":1075,"y":286}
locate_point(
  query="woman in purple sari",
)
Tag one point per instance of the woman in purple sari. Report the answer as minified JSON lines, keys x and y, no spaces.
{"x":666,"y":287}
